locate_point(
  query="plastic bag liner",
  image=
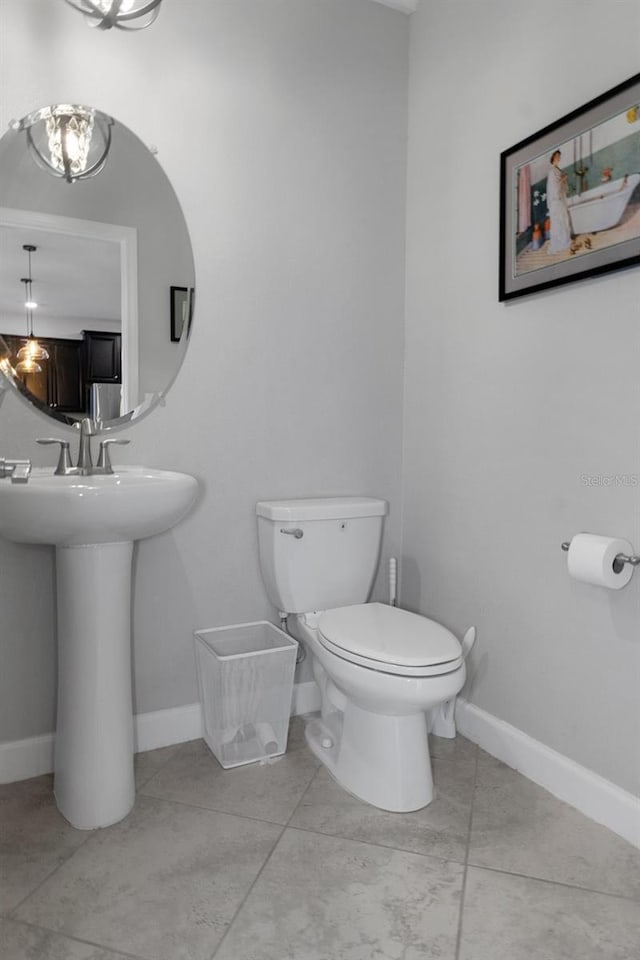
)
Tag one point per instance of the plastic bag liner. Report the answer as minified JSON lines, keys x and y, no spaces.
{"x":245,"y":678}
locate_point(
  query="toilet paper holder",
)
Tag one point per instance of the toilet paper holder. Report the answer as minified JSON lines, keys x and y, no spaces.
{"x":619,"y":561}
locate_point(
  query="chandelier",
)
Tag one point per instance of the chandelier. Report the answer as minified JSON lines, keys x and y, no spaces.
{"x":105,"y":14}
{"x":32,"y":352}
{"x":67,"y":140}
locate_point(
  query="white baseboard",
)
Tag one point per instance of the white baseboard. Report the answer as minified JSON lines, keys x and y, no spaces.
{"x":163,"y":728}
{"x":22,"y":759}
{"x":588,"y":792}
{"x":594,"y":796}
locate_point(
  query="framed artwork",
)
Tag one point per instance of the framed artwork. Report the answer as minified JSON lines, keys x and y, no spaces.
{"x":181,"y":311}
{"x":570,"y":196}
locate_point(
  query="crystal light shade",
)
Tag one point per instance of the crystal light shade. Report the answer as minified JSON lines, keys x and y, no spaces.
{"x":27,"y":366}
{"x":32,"y":350}
{"x":68,"y":140}
{"x":105,"y":14}
{"x":29,"y":355}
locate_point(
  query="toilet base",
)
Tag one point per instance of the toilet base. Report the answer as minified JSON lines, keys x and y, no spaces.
{"x":383,"y":760}
{"x":441,"y":720}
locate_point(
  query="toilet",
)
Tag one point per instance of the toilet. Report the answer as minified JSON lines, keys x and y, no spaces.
{"x":379,"y":669}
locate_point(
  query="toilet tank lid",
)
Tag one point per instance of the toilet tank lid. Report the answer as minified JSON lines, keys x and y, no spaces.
{"x":327,"y":508}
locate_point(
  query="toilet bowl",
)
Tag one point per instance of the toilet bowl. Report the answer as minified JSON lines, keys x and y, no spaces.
{"x":372,"y":732}
{"x":380,"y":670}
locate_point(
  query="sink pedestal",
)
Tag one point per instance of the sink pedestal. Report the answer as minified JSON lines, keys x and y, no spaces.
{"x":94,"y":783}
{"x":93,"y":522}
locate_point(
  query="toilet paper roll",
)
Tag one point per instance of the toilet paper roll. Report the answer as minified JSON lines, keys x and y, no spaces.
{"x":591,"y":558}
{"x":267,"y":738}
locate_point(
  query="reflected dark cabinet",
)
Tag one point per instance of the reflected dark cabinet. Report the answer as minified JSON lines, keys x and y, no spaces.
{"x":102,"y":357}
{"x":66,"y":381}
{"x":73,"y":365}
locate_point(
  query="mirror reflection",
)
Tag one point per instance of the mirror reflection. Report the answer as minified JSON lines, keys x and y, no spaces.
{"x":108,"y":254}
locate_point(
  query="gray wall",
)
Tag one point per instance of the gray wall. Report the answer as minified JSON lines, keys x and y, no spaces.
{"x":507,"y":407}
{"x":282,"y":126}
{"x":290,"y":169}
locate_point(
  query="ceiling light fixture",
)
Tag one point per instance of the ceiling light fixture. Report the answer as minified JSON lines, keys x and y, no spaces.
{"x":105,"y":14}
{"x":67,"y":140}
{"x":32,"y":352}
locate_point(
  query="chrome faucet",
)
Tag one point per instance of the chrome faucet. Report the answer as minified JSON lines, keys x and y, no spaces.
{"x":88,"y":428}
{"x":17,"y":470}
{"x":85,"y":468}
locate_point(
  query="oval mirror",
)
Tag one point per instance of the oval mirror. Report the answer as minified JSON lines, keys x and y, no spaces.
{"x":100,"y":244}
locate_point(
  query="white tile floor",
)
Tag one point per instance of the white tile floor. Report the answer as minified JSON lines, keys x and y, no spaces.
{"x":276,"y":862}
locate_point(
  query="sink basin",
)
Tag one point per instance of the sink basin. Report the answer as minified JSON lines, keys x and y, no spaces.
{"x":93,"y":521}
{"x":131,"y":503}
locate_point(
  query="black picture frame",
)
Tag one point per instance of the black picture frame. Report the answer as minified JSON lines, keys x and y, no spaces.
{"x":181,"y":309}
{"x":597,"y":172}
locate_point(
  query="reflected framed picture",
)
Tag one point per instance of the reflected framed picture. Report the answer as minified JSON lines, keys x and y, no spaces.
{"x":570,"y":196}
{"x":181,"y":311}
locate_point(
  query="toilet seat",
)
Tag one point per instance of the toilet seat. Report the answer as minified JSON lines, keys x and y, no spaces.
{"x":389,"y":640}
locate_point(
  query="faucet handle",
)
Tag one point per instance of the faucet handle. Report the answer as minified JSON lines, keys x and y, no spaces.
{"x":18,"y":470}
{"x":104,"y":459}
{"x":64,"y":460}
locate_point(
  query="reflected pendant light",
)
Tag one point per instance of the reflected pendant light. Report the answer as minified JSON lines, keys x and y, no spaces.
{"x":68,"y":140}
{"x":32,"y":352}
{"x":105,"y":14}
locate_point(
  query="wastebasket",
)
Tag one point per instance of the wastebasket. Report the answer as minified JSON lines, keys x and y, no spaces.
{"x":245,"y":677}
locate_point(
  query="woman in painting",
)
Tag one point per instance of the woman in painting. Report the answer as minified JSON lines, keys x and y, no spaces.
{"x":560,"y":233}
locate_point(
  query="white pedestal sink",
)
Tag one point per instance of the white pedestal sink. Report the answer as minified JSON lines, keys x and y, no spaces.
{"x":93,"y":521}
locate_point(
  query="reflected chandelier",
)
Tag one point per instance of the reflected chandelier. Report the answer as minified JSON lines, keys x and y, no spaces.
{"x":68,"y":140}
{"x":105,"y":14}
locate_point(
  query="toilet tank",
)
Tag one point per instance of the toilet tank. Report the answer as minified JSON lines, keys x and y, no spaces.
{"x":318,"y":554}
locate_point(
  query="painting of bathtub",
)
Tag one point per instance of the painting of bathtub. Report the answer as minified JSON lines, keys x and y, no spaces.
{"x":602,"y":207}
{"x":570,"y":196}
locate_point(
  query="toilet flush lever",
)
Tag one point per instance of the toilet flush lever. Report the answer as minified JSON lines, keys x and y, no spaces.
{"x":296,"y":532}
